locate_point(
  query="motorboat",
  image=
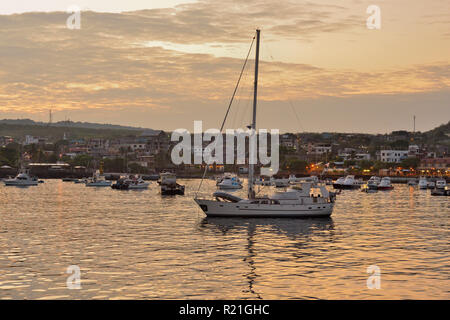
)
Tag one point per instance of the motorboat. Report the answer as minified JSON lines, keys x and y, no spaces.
{"x":229,"y":181}
{"x":385,"y":184}
{"x":373,"y":182}
{"x":305,"y":200}
{"x":169,"y":185}
{"x":131,"y":183}
{"x":136,"y":182}
{"x":440,"y":184}
{"x":423,"y":183}
{"x":348,"y":182}
{"x":412,"y":182}
{"x":23,"y":179}
{"x":121,"y":184}
{"x":431,"y":185}
{"x":98,"y":180}
{"x":441,"y":191}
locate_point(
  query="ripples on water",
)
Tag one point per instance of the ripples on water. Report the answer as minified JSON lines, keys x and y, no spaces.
{"x":140,"y":245}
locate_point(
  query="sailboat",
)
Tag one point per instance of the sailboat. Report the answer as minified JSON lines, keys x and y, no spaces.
{"x":303,"y":200}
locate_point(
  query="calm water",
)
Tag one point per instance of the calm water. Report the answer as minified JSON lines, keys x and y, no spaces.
{"x":138,"y":244}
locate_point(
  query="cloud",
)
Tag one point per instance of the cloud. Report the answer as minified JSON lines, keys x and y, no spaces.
{"x":108,"y":66}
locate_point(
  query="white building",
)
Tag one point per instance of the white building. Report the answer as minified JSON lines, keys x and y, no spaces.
{"x":34,"y":140}
{"x":413,"y":150}
{"x":393,"y":156}
{"x":319,"y":149}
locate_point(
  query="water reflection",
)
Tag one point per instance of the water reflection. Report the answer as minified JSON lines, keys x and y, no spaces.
{"x":292,"y":228}
{"x":295,"y":229}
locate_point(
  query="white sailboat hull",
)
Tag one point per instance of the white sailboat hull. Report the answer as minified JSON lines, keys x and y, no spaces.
{"x":237,"y":209}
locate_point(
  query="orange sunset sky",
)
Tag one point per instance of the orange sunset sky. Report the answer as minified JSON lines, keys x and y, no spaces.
{"x":164,"y":64}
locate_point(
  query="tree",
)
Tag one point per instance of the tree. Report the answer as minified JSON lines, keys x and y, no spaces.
{"x":9,"y":155}
{"x":410,"y":163}
{"x":81,"y":160}
{"x":296,"y":165}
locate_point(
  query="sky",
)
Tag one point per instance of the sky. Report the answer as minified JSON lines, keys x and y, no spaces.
{"x":163,"y":64}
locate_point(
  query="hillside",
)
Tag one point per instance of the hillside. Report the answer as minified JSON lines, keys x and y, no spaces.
{"x":55,"y":133}
{"x":71,"y":124}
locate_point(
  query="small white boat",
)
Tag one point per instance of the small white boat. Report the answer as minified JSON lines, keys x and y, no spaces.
{"x":136,"y":183}
{"x":440,"y":184}
{"x":348,"y":182}
{"x":373,"y":183}
{"x":412,"y":182}
{"x":229,"y":181}
{"x":98,"y":180}
{"x":423,"y":183}
{"x":23,"y":179}
{"x":385,"y":184}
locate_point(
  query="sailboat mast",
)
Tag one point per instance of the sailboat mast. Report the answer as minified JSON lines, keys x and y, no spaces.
{"x":251,"y":192}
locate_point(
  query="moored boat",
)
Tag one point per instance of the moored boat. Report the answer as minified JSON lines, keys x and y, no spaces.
{"x":385,"y":184}
{"x":348,"y":182}
{"x":229,"y":182}
{"x":423,"y":183}
{"x":98,"y":180}
{"x":305,"y":200}
{"x":169,"y":185}
{"x":23,"y":179}
{"x":440,"y":184}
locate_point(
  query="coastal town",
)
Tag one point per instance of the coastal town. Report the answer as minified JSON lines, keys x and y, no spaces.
{"x":76,"y":151}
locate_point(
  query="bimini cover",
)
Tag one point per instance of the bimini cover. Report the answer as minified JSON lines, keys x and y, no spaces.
{"x":226,"y":196}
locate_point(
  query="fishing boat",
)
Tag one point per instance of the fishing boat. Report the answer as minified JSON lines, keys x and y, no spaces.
{"x":23,"y":179}
{"x":98,"y":180}
{"x":305,"y":200}
{"x":169,"y":185}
